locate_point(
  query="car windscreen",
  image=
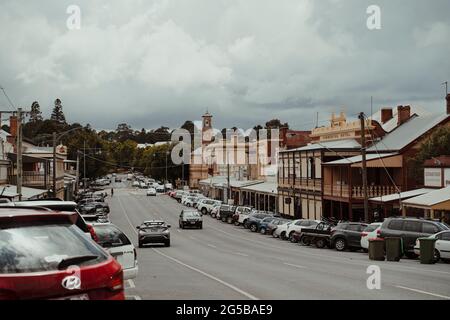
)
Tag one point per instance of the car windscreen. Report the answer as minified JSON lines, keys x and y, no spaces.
{"x":191,"y":214}
{"x":40,"y":248}
{"x":371,"y":227}
{"x":110,"y":237}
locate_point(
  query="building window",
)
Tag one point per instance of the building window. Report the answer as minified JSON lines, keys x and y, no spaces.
{"x":312,"y":168}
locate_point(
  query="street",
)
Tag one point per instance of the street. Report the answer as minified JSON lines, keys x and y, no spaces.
{"x":223,"y":261}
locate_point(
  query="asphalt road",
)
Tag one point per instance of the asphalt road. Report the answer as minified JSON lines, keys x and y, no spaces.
{"x":222,"y":261}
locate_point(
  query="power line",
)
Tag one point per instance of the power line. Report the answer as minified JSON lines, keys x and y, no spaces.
{"x":9,"y":100}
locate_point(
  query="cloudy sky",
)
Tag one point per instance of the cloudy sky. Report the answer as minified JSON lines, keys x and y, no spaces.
{"x":152,"y":63}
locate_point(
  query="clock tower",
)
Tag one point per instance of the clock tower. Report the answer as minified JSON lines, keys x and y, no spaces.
{"x":207,"y":130}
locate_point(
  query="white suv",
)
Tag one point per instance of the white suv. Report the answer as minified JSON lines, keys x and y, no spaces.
{"x":297,"y":226}
{"x":243,"y":213}
{"x":205,"y":206}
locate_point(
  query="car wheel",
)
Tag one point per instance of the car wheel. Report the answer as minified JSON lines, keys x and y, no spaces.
{"x":140,"y":244}
{"x":181,"y":226}
{"x":320,"y":243}
{"x":245,"y":224}
{"x":291,"y":237}
{"x":201,"y":226}
{"x":203,"y":211}
{"x":437,"y":256}
{"x":306,"y":241}
{"x":340,"y":244}
{"x":253,"y":228}
{"x":229,"y":220}
{"x":262,"y":230}
{"x":283,"y":235}
{"x":223,"y":219}
{"x":236,"y":223}
{"x":188,"y":204}
{"x":365,"y":250}
{"x":167,"y":243}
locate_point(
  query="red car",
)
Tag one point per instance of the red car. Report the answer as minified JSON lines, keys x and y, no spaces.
{"x":44,"y":255}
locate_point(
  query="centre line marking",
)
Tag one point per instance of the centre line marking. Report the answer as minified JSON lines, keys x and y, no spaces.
{"x":424,"y":292}
{"x":229,"y":285}
{"x":240,"y":254}
{"x":211,"y":245}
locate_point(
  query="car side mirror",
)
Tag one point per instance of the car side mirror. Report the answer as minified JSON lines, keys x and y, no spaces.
{"x":138,"y":227}
{"x":168,"y":226}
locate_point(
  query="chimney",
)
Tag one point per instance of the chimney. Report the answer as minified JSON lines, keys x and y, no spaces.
{"x":403,"y":114}
{"x":13,"y":126}
{"x":386,"y":115}
{"x":448,"y":103}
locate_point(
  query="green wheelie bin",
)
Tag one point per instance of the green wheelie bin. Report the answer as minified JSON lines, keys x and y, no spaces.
{"x":376,"y":249}
{"x":427,"y":246}
{"x":394,"y":248}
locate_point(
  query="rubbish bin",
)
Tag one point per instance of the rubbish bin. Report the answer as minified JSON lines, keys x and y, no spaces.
{"x":394,"y":250}
{"x":427,"y":250}
{"x":376,"y":249}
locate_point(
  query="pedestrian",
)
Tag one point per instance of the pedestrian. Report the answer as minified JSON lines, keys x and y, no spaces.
{"x":112,"y":192}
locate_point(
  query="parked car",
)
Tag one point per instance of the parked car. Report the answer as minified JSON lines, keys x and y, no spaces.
{"x":205,"y":205}
{"x":160,"y":189}
{"x":241,"y":215}
{"x":93,"y":208}
{"x":226,"y":212}
{"x":255,"y":219}
{"x":119,"y":246}
{"x":136,"y":184}
{"x":154,"y":231}
{"x":297,"y":226}
{"x":347,"y":235}
{"x":280,"y":231}
{"x":442,"y":246}
{"x":409,"y":229}
{"x":151,"y":192}
{"x":190,"y":218}
{"x":370,"y":232}
{"x":215,"y":210}
{"x":262,"y":226}
{"x":179,"y":195}
{"x":35,"y":244}
{"x":191,"y":201}
{"x":58,"y":206}
{"x":272,"y":225}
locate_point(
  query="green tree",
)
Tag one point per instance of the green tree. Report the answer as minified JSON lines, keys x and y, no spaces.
{"x":57,"y":113}
{"x":35,"y":113}
{"x":436,"y":145}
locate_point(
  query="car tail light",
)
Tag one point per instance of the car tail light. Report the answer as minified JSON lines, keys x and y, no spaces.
{"x":92,"y":232}
{"x":116,"y":281}
{"x":378,"y":233}
{"x":364,"y":234}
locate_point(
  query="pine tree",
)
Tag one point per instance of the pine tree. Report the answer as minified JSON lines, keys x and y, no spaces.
{"x":35,"y":114}
{"x":57,"y":113}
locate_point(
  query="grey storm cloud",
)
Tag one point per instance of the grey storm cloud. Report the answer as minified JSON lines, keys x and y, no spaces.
{"x":152,"y":63}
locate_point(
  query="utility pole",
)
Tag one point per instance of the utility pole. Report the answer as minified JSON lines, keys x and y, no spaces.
{"x":228,"y":176}
{"x":19,"y":153}
{"x":167,"y":153}
{"x":77,"y":180}
{"x":364,"y":167}
{"x":446,"y":87}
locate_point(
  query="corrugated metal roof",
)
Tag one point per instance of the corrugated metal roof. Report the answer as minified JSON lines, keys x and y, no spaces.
{"x":407,"y":132}
{"x":431,"y":198}
{"x":402,"y":195}
{"x":265,"y":187}
{"x":357,"y":159}
{"x":335,"y":144}
{"x":390,"y":125}
{"x":10,"y":191}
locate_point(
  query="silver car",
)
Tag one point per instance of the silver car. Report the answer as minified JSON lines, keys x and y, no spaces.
{"x":154,"y":231}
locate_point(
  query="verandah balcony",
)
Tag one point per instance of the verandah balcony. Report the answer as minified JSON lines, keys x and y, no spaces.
{"x":357,"y":192}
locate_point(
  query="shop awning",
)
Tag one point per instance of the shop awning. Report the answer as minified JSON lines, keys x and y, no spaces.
{"x":401,"y":195}
{"x":435,"y":200}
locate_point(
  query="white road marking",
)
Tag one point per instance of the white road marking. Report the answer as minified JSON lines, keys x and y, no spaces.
{"x":229,"y":285}
{"x":211,"y":245}
{"x":240,"y":254}
{"x":295,"y":265}
{"x":133,"y":298}
{"x":424,"y":292}
{"x":131,"y":284}
{"x":191,"y":237}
